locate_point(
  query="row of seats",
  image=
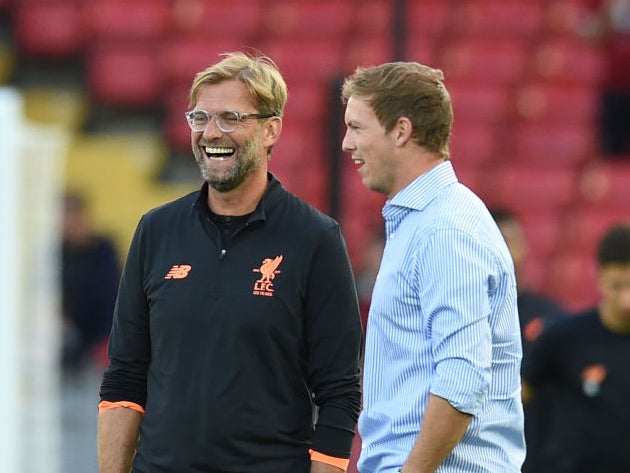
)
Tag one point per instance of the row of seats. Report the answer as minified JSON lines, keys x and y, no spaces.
{"x":142,"y":55}
{"x":480,"y":63}
{"x":524,"y":90}
{"x":155,"y":19}
{"x":163,"y":76}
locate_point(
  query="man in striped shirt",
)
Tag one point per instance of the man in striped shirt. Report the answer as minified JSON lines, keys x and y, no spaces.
{"x":443,"y":350}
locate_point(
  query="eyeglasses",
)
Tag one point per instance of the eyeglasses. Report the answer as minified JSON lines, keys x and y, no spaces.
{"x":227,"y":121}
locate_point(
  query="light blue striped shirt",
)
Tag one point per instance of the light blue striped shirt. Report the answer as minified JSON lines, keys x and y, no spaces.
{"x":443,"y":320}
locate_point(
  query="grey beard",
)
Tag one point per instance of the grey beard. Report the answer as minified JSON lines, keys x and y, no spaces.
{"x":243,"y":168}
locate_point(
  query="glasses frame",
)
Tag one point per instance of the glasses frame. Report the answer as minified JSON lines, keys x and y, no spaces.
{"x":240,"y":116}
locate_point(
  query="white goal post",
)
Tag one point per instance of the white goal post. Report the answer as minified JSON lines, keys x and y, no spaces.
{"x":31,"y":169}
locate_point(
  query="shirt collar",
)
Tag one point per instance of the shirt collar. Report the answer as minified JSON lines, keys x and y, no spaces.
{"x":271,"y":195}
{"x":421,"y":191}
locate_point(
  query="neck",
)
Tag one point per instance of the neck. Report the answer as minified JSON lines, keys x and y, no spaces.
{"x":412,"y":169}
{"x":240,"y":201}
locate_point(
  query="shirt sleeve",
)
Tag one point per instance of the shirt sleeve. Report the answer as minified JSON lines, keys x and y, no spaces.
{"x":129,"y":348}
{"x":334,"y":339}
{"x":455,"y":274}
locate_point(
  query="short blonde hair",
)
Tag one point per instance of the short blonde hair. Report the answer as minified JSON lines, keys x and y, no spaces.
{"x":259,"y":73}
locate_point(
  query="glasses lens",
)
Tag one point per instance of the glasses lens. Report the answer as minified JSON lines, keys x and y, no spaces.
{"x":227,"y":121}
{"x":198,"y":120}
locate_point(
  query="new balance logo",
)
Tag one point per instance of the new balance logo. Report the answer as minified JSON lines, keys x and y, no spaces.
{"x":178,"y":271}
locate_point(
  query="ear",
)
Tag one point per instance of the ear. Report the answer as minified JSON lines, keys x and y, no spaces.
{"x":272,"y":130}
{"x":402,"y":131}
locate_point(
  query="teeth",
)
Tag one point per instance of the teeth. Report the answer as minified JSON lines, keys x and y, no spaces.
{"x":218,"y":150}
{"x":359,"y":161}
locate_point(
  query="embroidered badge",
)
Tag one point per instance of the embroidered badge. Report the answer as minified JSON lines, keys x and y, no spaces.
{"x":592,"y":378}
{"x":268,"y":270}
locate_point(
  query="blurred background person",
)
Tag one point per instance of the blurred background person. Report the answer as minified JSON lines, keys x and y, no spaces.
{"x":536,"y":314}
{"x":90,"y":274}
{"x":586,"y":358}
{"x":608,"y":24}
{"x":536,"y":311}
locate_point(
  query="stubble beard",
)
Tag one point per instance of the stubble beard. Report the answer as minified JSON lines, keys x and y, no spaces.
{"x":245,"y":164}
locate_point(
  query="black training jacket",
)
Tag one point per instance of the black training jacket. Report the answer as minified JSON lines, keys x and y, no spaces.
{"x":244,"y":353}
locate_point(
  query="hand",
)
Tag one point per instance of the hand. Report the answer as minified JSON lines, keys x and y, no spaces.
{"x":319,"y":467}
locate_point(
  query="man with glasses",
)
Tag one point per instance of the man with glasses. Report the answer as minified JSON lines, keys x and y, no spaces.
{"x":236,"y":338}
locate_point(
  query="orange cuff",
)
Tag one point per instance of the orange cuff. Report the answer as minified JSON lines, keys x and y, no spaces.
{"x":104,"y":405}
{"x":341,"y":463}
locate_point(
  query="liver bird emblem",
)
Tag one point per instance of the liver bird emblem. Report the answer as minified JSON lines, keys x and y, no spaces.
{"x":269,"y":269}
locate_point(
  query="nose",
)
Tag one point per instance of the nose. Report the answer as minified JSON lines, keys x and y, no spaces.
{"x":211,"y":130}
{"x":347,"y":144}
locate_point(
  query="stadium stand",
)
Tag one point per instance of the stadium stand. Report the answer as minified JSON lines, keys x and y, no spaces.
{"x":523,"y":85}
{"x":497,"y":20}
{"x":48,"y":29}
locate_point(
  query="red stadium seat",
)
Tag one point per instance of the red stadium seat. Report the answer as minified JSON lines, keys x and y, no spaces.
{"x":542,"y":231}
{"x":428,"y":19}
{"x":605,"y":186}
{"x":49,"y":29}
{"x":308,"y":19}
{"x":124,"y":20}
{"x":480,"y":103}
{"x":498,"y":20}
{"x":527,"y":187}
{"x":366,"y":52}
{"x":472,"y":177}
{"x":124,"y":76}
{"x":372,"y":20}
{"x":309,"y":102}
{"x":475,"y":144}
{"x":482,"y":61}
{"x":568,"y":145}
{"x":422,"y":50}
{"x":370,"y":40}
{"x":176,"y":129}
{"x":183,"y":56}
{"x":550,"y":104}
{"x":562,"y":18}
{"x":585,"y":225}
{"x":567,"y":61}
{"x":306,"y":60}
{"x":299,"y":158}
{"x":236,"y":19}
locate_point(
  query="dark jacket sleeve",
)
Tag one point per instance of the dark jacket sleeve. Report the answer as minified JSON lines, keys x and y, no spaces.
{"x":541,"y":364}
{"x":129,"y":348}
{"x":335,"y":340}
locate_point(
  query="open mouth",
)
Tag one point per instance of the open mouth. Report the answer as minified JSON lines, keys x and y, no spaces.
{"x":358,"y":161}
{"x":218,"y":152}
